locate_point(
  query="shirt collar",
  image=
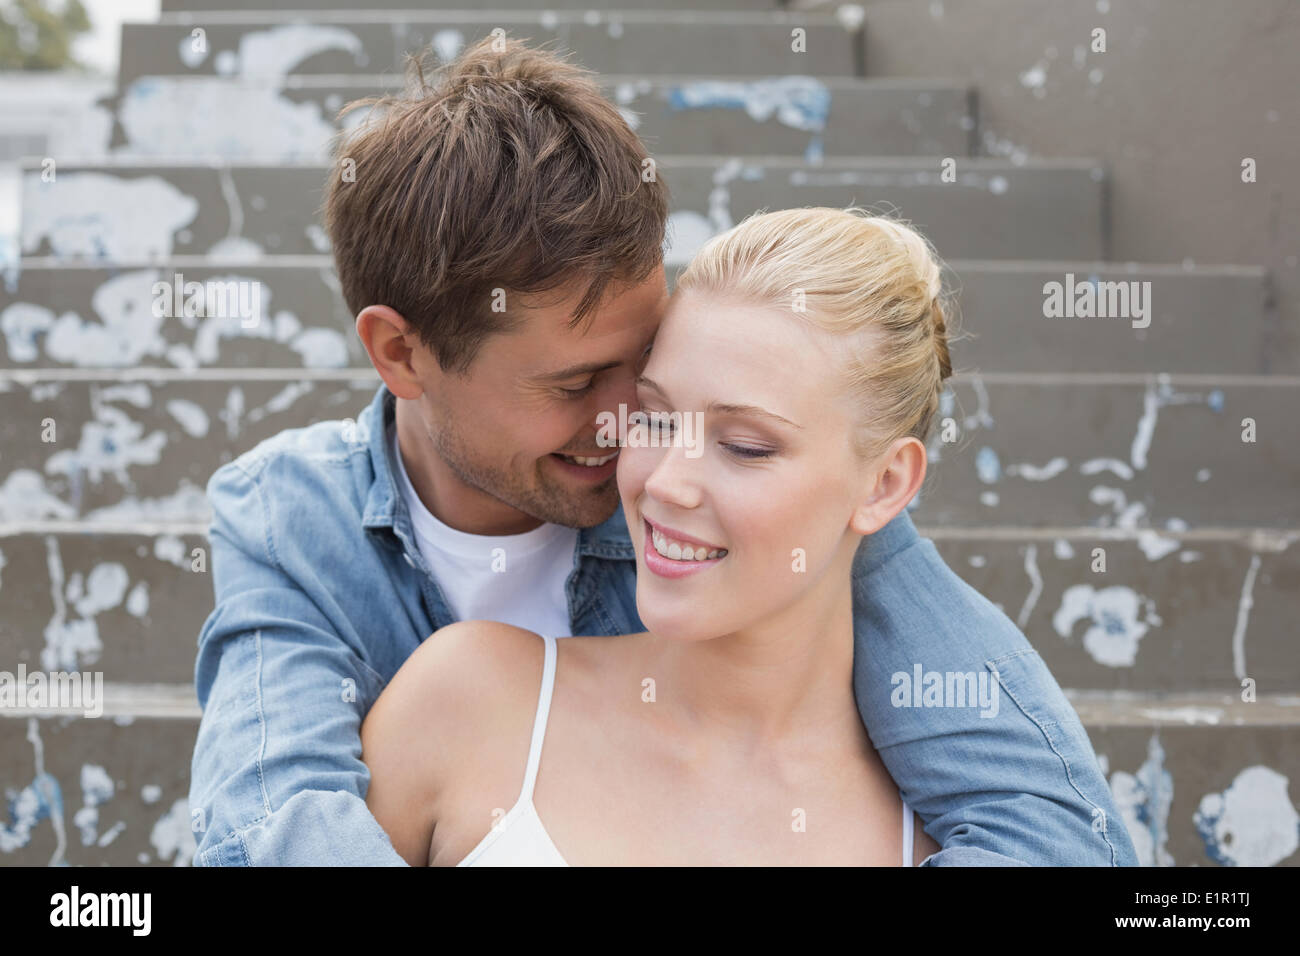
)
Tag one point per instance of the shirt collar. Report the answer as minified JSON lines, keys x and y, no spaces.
{"x":609,"y":539}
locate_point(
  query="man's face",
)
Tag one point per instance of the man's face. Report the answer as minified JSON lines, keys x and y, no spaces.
{"x":513,"y":425}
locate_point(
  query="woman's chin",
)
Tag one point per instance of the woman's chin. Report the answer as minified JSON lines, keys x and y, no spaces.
{"x":684,"y":627}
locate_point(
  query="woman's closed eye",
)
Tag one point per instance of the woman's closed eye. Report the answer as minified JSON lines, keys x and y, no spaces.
{"x":749,"y":452}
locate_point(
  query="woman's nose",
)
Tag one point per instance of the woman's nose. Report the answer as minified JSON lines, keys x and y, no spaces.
{"x":676,"y":477}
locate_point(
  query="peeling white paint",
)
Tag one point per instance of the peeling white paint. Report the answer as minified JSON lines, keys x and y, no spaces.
{"x":1252,"y":823}
{"x":1244,"y":604}
{"x":318,"y":238}
{"x":104,"y":588}
{"x":987,"y":466}
{"x":321,"y":348}
{"x":1143,"y":800}
{"x":1035,"y":473}
{"x":23,"y":497}
{"x":110,"y":443}
{"x":190,"y":415}
{"x":21,"y":323}
{"x":1210,"y":716}
{"x":1157,"y":395}
{"x":68,"y":644}
{"x":41,"y":799}
{"x":448,"y":44}
{"x":171,"y":836}
{"x":127,"y":331}
{"x":799,"y":102}
{"x":687,"y":233}
{"x":169,"y":548}
{"x":96,"y":788}
{"x":280,"y":401}
{"x":202,"y":118}
{"x":1035,"y":585}
{"x":187,"y":504}
{"x":273,"y":53}
{"x":1117,"y":616}
{"x":233,"y":411}
{"x":100,"y":216}
{"x":137,"y":602}
{"x":1154,"y":546}
{"x":1095,"y":465}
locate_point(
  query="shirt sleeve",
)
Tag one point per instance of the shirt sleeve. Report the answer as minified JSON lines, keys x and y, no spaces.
{"x":277,"y":777}
{"x":1011,"y":777}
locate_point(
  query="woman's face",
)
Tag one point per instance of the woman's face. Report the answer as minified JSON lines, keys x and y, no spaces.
{"x":770,"y":484}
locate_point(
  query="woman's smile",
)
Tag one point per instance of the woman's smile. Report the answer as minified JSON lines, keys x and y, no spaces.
{"x":670,"y":554}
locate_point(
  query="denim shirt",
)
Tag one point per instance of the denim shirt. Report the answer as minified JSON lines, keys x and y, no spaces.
{"x":322,"y":594}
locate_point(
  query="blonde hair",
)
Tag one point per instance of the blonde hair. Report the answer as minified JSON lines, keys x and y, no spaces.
{"x":872,"y":279}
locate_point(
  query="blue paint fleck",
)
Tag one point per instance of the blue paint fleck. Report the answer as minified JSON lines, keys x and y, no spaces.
{"x":987,"y":465}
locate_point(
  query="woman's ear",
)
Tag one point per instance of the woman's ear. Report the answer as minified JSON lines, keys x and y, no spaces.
{"x":393,"y":347}
{"x":894,"y":480}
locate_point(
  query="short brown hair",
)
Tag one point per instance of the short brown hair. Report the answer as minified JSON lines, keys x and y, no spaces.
{"x":512,"y":171}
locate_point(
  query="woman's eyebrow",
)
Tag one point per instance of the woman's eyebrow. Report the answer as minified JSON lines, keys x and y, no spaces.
{"x":724,"y":408}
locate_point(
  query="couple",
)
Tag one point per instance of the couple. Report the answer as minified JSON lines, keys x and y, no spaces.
{"x":381,"y":677}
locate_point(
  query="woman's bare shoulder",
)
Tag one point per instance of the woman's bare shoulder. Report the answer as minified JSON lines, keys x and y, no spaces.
{"x":467,"y":688}
{"x":469,"y":665}
{"x":462,"y":683}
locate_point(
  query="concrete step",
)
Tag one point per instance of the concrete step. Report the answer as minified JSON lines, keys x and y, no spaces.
{"x":253,"y":46}
{"x":64,"y":315}
{"x":1122,"y":454}
{"x":129,"y":600}
{"x":146,"y":211}
{"x":291,"y":9}
{"x":292,"y":120}
{"x":1116,"y":451}
{"x":114,"y":791}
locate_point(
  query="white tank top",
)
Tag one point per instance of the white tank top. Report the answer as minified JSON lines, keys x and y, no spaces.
{"x":520,"y":839}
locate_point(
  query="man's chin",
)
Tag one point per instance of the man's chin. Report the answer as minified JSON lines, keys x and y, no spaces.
{"x":584,"y":507}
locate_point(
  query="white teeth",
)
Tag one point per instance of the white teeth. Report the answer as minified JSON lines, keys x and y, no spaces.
{"x":676,"y":551}
{"x":589,"y":462}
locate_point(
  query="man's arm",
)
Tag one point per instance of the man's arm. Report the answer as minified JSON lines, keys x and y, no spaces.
{"x":1014,"y":779}
{"x":277,"y":777}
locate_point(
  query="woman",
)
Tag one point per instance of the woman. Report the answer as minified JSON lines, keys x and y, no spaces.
{"x":813,"y":344}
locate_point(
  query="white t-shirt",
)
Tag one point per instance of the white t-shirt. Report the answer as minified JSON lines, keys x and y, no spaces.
{"x":514,"y":578}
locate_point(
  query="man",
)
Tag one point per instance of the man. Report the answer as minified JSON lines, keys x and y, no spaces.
{"x":502,"y":251}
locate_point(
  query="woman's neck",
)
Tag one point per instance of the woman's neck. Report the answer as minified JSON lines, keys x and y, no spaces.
{"x":781,"y":682}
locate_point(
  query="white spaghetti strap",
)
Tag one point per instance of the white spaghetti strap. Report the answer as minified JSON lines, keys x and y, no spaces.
{"x":907,"y":834}
{"x":539,"y":722}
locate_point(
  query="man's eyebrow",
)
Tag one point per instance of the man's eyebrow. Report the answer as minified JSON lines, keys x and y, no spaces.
{"x":724,"y":408}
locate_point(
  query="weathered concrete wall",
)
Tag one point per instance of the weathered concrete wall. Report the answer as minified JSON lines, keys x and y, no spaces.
{"x":1185,"y":90}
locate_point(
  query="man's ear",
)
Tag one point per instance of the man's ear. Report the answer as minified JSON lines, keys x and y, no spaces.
{"x":895,"y":479}
{"x":394,"y":350}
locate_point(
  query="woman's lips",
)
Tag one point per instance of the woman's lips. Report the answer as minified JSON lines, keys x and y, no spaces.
{"x":667,"y":567}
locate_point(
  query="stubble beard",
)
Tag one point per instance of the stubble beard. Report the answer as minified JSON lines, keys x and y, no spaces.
{"x":537,"y":494}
